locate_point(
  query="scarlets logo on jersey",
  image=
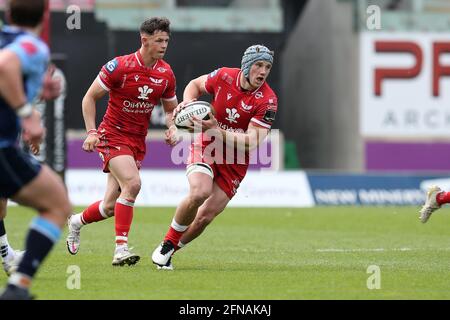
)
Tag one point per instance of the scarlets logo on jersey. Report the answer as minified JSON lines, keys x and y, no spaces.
{"x":157,"y":82}
{"x":111,"y":65}
{"x":245,"y":107}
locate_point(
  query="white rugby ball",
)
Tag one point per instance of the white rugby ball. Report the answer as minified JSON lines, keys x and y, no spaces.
{"x":197,"y":109}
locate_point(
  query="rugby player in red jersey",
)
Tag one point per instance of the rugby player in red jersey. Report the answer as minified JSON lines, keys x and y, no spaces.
{"x":245,"y":108}
{"x":136,"y":83}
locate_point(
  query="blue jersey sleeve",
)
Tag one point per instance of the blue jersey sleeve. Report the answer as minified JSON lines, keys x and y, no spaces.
{"x":34,"y":57}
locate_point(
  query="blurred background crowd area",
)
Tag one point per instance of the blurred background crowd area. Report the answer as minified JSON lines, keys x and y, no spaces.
{"x":330,"y":117}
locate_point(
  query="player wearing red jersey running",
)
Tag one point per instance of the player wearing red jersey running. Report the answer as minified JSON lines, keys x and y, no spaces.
{"x":245,"y":108}
{"x":135,"y":83}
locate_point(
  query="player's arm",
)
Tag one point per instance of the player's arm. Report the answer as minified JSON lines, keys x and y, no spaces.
{"x":52,"y":85}
{"x":193,"y":91}
{"x":242,"y":141}
{"x":11,"y":83}
{"x":195,"y":88}
{"x":169,"y":107}
{"x":249,"y":140}
{"x":94,"y":93}
{"x":11,"y":89}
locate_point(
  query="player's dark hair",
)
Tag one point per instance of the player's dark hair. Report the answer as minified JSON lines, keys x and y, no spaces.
{"x":149,"y":26}
{"x":26,"y":13}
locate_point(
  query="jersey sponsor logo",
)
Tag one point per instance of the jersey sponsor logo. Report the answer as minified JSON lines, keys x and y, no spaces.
{"x":259,"y":95}
{"x":232,"y":115}
{"x":111,"y":65}
{"x":137,"y":107}
{"x":144,"y":92}
{"x":136,"y":78}
{"x":246,"y":107}
{"x":229,"y":96}
{"x":161,"y":69}
{"x":269,"y":116}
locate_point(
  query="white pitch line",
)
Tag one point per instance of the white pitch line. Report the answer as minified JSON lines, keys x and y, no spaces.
{"x":364,"y":250}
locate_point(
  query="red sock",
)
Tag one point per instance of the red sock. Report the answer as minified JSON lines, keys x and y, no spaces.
{"x":92,"y":213}
{"x":123,"y":212}
{"x":443,"y":197}
{"x":173,"y":236}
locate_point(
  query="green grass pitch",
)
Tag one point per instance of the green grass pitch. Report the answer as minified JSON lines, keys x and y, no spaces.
{"x":314,"y":253}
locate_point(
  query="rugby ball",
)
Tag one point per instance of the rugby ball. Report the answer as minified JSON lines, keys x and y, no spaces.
{"x":197,"y":109}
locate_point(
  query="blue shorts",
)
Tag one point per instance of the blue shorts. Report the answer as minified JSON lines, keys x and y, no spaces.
{"x":17,"y":169}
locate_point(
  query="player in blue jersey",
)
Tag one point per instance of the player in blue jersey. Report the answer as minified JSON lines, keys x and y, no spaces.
{"x":11,"y":258}
{"x":23,"y":62}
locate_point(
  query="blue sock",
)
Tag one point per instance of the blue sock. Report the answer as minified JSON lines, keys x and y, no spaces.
{"x":40,"y":239}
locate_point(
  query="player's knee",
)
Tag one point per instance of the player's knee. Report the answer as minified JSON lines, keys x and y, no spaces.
{"x":203,"y":219}
{"x":198,"y":196}
{"x":108,"y":209}
{"x":59,"y":212}
{"x":61,"y":207}
{"x":133,"y":187}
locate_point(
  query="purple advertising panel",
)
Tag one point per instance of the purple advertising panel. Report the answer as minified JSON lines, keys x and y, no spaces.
{"x":159,"y":156}
{"x":413,"y":156}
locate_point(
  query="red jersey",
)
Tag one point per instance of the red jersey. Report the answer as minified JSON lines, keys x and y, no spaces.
{"x":235,"y":108}
{"x":134,"y":90}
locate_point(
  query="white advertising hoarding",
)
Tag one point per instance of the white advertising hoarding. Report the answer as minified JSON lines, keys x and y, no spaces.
{"x":405,"y":84}
{"x":168,"y":187}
